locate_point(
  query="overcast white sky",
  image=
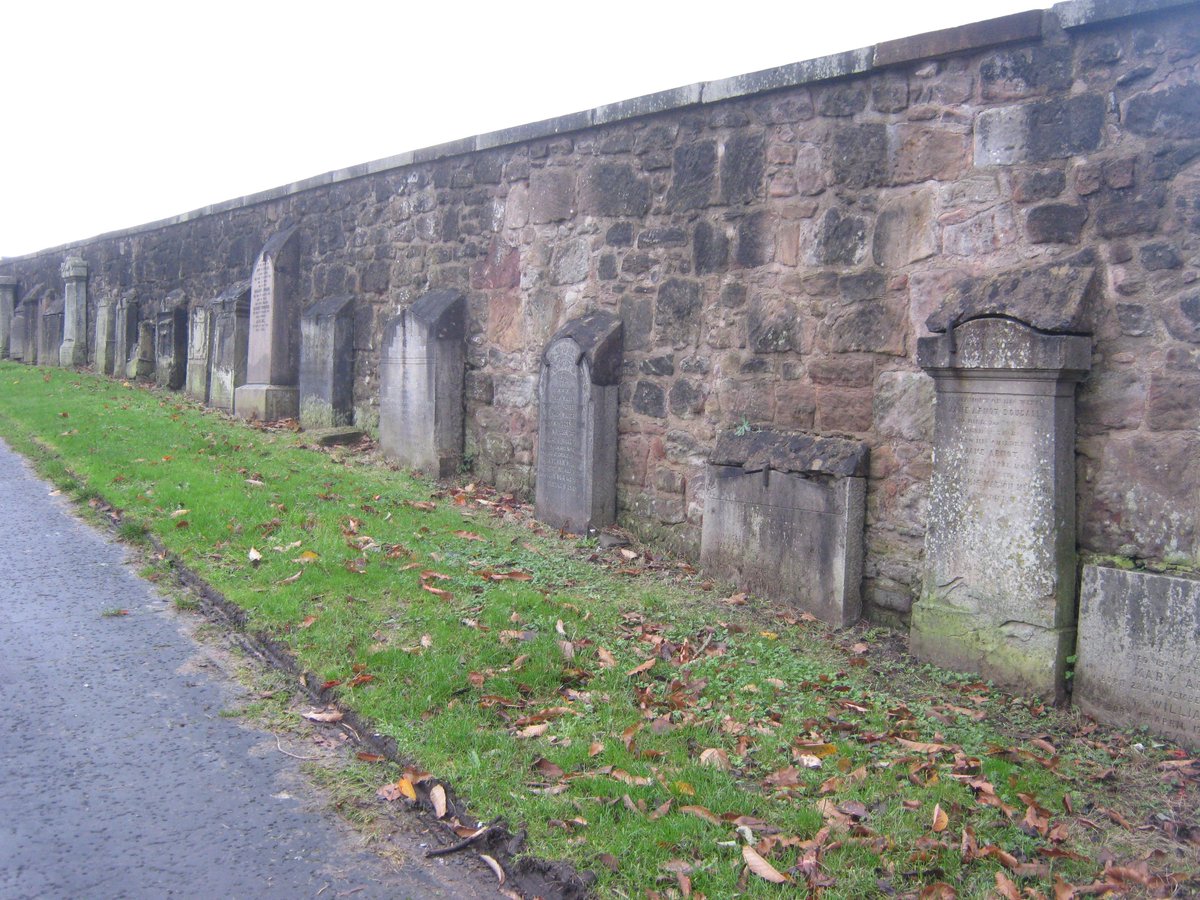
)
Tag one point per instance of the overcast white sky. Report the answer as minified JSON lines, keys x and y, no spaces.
{"x":117,"y":113}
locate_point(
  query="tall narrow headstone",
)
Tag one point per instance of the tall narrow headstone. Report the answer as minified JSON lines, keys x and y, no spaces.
{"x":106,"y":335}
{"x":141,"y":360}
{"x":271,"y":390}
{"x":577,"y":424}
{"x":998,"y":590}
{"x":73,"y":350}
{"x":51,"y":336}
{"x":8,"y":305}
{"x":230,"y":313}
{"x":18,"y":339}
{"x":327,"y":363}
{"x":783,"y":518}
{"x":421,"y":384}
{"x":124,"y":332}
{"x":30,"y":311}
{"x":170,"y":342}
{"x":199,"y":353}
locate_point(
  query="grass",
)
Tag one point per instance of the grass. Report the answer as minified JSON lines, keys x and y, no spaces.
{"x":629,"y":722}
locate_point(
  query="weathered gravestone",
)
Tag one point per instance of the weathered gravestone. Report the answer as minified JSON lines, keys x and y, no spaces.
{"x":783,"y":519}
{"x":199,"y":353}
{"x":271,"y":390}
{"x":106,"y":336}
{"x":421,"y":384}
{"x":230,"y":313}
{"x":19,"y":335}
{"x":170,"y":342}
{"x":998,"y":590}
{"x":8,"y":305}
{"x":30,"y":314}
{"x":1138,"y":652}
{"x":124,"y":333}
{"x":73,"y":350}
{"x":50,"y":337}
{"x":327,"y":363}
{"x":577,"y":424}
{"x":141,"y":359}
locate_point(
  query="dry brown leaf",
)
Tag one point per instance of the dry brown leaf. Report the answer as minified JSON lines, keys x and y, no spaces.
{"x":547,"y":768}
{"x":938,"y":891}
{"x":606,"y":659}
{"x":291,"y":579}
{"x":642,"y":667}
{"x":468,"y":536}
{"x":533,"y":730}
{"x":437,"y":796}
{"x":941,"y":821}
{"x":437,"y":592}
{"x":761,"y":867}
{"x":595,"y":749}
{"x":370,"y":757}
{"x":921,"y":747}
{"x":308,"y":622}
{"x":329,"y":714}
{"x":494,"y":866}
{"x":701,"y":813}
{"x":254,"y":556}
{"x":1006,"y":887}
{"x":715,"y":757}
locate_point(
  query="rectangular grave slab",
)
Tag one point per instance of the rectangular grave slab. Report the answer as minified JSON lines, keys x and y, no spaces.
{"x":1138,"y":652}
{"x":141,"y":360}
{"x":73,"y":350}
{"x":327,"y":363}
{"x":170,"y":343}
{"x":230,"y":315}
{"x":50,"y":337}
{"x":577,"y":424}
{"x":104,"y":355}
{"x":17,"y":341}
{"x":421,"y":384}
{"x":783,"y":519}
{"x":30,"y":311}
{"x":998,"y":587}
{"x":8,"y":305}
{"x":125,"y":315}
{"x":199,"y":359}
{"x":272,"y":387}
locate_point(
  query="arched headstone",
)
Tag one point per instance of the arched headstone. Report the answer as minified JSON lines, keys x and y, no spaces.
{"x":272,"y":388}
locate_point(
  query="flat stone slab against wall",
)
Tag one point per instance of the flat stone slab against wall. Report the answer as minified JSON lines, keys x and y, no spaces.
{"x":230,"y":322}
{"x":199,"y":353}
{"x":1138,"y":652}
{"x":51,"y":336}
{"x":327,"y":363}
{"x":577,"y":424}
{"x":783,"y":519}
{"x":8,"y":303}
{"x":998,"y":591}
{"x":170,"y":343}
{"x":421,"y":384}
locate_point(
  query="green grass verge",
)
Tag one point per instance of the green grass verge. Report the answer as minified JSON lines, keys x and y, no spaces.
{"x":837,"y":754}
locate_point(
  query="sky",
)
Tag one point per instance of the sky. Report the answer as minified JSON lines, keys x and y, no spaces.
{"x":118,"y":113}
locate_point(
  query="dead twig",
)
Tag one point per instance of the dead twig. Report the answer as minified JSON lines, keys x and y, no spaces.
{"x":293,"y":755}
{"x":463,"y":844}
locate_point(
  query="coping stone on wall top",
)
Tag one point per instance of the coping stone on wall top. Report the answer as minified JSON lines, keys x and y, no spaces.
{"x":1078,"y":13}
{"x":1022,"y":26}
{"x":791,"y":452}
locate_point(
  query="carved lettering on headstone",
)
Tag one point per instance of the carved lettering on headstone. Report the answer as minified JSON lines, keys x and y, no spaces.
{"x":273,"y":358}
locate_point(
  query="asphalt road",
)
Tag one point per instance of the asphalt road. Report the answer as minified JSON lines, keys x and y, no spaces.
{"x":118,"y":776}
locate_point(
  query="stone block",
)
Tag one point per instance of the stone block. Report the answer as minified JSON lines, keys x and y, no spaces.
{"x":1138,"y":644}
{"x":327,"y":363}
{"x":577,"y":424}
{"x":1055,"y":223}
{"x":1173,"y":403}
{"x":1056,"y":128}
{"x":677,"y":311}
{"x":904,"y":231}
{"x":841,"y":239}
{"x":742,"y":166}
{"x":551,"y":195}
{"x":1172,"y":112}
{"x":783,"y":519}
{"x":920,"y":153}
{"x":650,"y":400}
{"x":125,"y":315}
{"x":422,"y":371}
{"x":693,"y":176}
{"x":710,"y":248}
{"x":860,"y":155}
{"x":273,"y":352}
{"x":998,"y":590}
{"x":1182,"y":317}
{"x":614,"y":189}
{"x":230,"y":342}
{"x":1043,"y":184}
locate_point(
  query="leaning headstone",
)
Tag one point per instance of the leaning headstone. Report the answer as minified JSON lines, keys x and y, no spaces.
{"x":8,"y":305}
{"x":73,"y":350}
{"x":421,"y":384}
{"x":577,"y":424}
{"x":51,"y":336}
{"x":170,"y":342}
{"x":141,"y":360}
{"x":271,"y":390}
{"x":106,"y":337}
{"x":199,"y":360}
{"x":327,"y":363}
{"x":230,"y":316}
{"x":124,"y":332}
{"x":998,"y":589}
{"x":1138,"y":662}
{"x":783,"y":519}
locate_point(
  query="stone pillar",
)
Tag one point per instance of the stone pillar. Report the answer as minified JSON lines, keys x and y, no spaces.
{"x":230,"y":342}
{"x":271,"y":390}
{"x":50,"y":338}
{"x":199,"y":353}
{"x":998,"y":590}
{"x":106,"y":338}
{"x":327,"y":363}
{"x":421,"y":384}
{"x":577,"y":424}
{"x":73,"y":350}
{"x":170,"y":342}
{"x":8,"y":303}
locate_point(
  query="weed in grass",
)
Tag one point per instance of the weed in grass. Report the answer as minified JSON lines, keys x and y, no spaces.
{"x":133,"y":531}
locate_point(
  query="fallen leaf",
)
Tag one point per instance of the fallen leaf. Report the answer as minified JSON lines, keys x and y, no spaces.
{"x":533,"y":731}
{"x":306,"y":557}
{"x":437,"y":796}
{"x":701,"y":813}
{"x":940,"y":820}
{"x":547,"y":768}
{"x":437,"y":592}
{"x":595,"y":749}
{"x":921,"y":747}
{"x":761,"y":867}
{"x":606,"y":659}
{"x":469,"y":536}
{"x":1006,"y":887}
{"x":291,"y":579}
{"x":329,"y":714}
{"x":938,"y":891}
{"x":717,"y":758}
{"x":370,"y":757}
{"x":494,"y":866}
{"x":180,"y":512}
{"x":308,"y":622}
{"x":642,"y":667}
{"x":254,"y":556}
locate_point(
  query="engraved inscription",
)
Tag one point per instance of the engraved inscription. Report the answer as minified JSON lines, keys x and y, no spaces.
{"x":1166,"y":695}
{"x":998,"y":435}
{"x":261,"y":290}
{"x":560,"y":446}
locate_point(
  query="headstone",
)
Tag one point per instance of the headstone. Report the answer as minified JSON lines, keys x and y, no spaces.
{"x":577,"y":424}
{"x":124,"y":333}
{"x":8,"y":305}
{"x":106,"y":335}
{"x":998,"y":589}
{"x":30,"y":311}
{"x":783,"y":519}
{"x":51,"y":336}
{"x":170,"y":342}
{"x":421,"y":384}
{"x":271,"y":390}
{"x":141,"y":360}
{"x":199,"y":361}
{"x":230,"y":313}
{"x":18,"y":338}
{"x":73,"y":350}
{"x":327,"y":363}
{"x":1138,"y":656}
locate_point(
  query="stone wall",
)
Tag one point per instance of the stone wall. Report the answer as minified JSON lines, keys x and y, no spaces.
{"x":774,"y":244}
